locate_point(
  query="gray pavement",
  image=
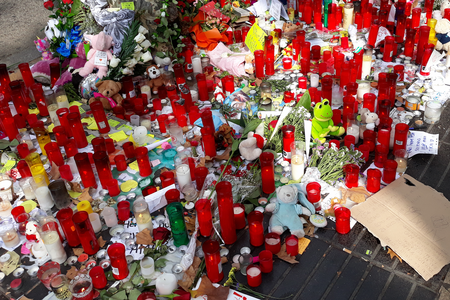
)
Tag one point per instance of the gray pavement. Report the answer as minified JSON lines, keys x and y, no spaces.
{"x":20,"y":22}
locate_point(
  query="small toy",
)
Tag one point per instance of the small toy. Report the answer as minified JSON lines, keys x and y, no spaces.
{"x":155,"y":78}
{"x":99,"y":55}
{"x":250,"y":149}
{"x":31,"y":233}
{"x":108,"y":94}
{"x":442,"y":29}
{"x":369,"y":118}
{"x":43,"y":46}
{"x":322,"y":123}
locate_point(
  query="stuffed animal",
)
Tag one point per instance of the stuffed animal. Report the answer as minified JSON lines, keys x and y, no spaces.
{"x":442,"y":29}
{"x":322,"y":123}
{"x":164,"y":63}
{"x":155,"y":78}
{"x":43,"y":46}
{"x":369,"y":118}
{"x":99,"y":55}
{"x":286,"y":211}
{"x":248,"y":66}
{"x":31,"y":233}
{"x":108,"y":94}
{"x":250,"y":149}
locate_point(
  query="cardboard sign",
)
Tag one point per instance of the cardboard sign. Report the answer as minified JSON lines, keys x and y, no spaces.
{"x":255,"y":38}
{"x":413,"y":220}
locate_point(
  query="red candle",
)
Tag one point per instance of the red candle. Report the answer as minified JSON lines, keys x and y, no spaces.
{"x":226,"y":212}
{"x":288,"y":139}
{"x":384,"y":136}
{"x":202,"y":88}
{"x":254,"y":278}
{"x":334,"y":142}
{"x":60,"y":135}
{"x":70,"y":148}
{"x":209,"y":143}
{"x":64,"y":217}
{"x":129,"y":150}
{"x":239,"y":215}
{"x":256,"y":229}
{"x":18,"y":98}
{"x":85,"y":170}
{"x":245,"y":31}
{"x":292,"y":245}
{"x":119,"y":263}
{"x":65,"y":172}
{"x":381,"y":152}
{"x":39,"y":99}
{"x":77,"y":129}
{"x":373,"y":180}
{"x":121,"y":163}
{"x":365,"y":150}
{"x":409,"y":42}
{"x":204,"y":216}
{"x":342,"y":220}
{"x":313,"y":194}
{"x":424,"y":33}
{"x":373,"y":33}
{"x":200,"y":175}
{"x":85,"y":233}
{"x":26,"y":74}
{"x":331,"y":22}
{"x":100,"y":117}
{"x":272,"y":242}
{"x":167,"y":179}
{"x":103,"y":167}
{"x":123,"y":210}
{"x":267,"y":172}
{"x":55,"y":73}
{"x":327,"y":84}
{"x":367,"y":21}
{"x":305,"y":66}
{"x":63,"y":114}
{"x":369,"y":139}
{"x":145,"y":169}
{"x":54,"y":154}
{"x":98,"y":144}
{"x":17,"y":211}
{"x":446,"y":13}
{"x":369,"y":101}
{"x":213,"y":262}
{"x":266,"y":261}
{"x":113,"y":187}
{"x":172,"y":195}
{"x":23,"y":150}
{"x":270,"y":66}
{"x":259,"y":63}
{"x":98,"y":277}
{"x":349,"y":140}
{"x":23,"y":168}
{"x":11,"y":129}
{"x":149,"y":190}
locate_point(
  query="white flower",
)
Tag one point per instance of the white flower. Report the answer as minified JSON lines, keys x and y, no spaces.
{"x":163,"y":14}
{"x":137,"y":49}
{"x":139,"y":38}
{"x":114,"y":62}
{"x":131,"y":63}
{"x":127,"y":71}
{"x":146,"y":44}
{"x":175,"y":25}
{"x":51,"y":30}
{"x":143,"y":30}
{"x":146,"y":56}
{"x":164,"y":5}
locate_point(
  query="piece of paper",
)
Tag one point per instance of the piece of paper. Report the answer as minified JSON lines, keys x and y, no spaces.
{"x":88,"y":121}
{"x":101,"y":58}
{"x":127,"y":5}
{"x":158,"y":200}
{"x":275,"y":9}
{"x":420,"y":142}
{"x":90,"y":138}
{"x":8,"y":166}
{"x":93,"y":126}
{"x":255,"y":38}
{"x":118,"y":136}
{"x":125,"y":127}
{"x":303,"y":244}
{"x":413,"y":220}
{"x":259,"y":8}
{"x":134,"y":166}
{"x":113,"y":123}
{"x":50,"y":128}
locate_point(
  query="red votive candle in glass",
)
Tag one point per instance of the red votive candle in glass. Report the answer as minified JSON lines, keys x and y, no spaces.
{"x":103,"y":167}
{"x":26,"y":74}
{"x":162,"y":123}
{"x":337,"y":116}
{"x":239,"y":215}
{"x":172,"y":195}
{"x":98,"y":144}
{"x":202,"y":88}
{"x":149,"y":190}
{"x":123,"y":210}
{"x":266,"y":261}
{"x":267,"y":172}
{"x":20,"y":121}
{"x":209,"y":143}
{"x":254,"y":278}
{"x":17,"y":211}
{"x":119,"y":263}
{"x":98,"y":277}
{"x":203,"y":208}
{"x":270,"y":70}
{"x":369,"y":101}
{"x":129,"y":150}
{"x":400,"y":136}
{"x":313,"y":193}
{"x":55,"y":73}
{"x":65,"y":172}
{"x":365,"y":150}
{"x":113,"y":187}
{"x":145,"y":169}
{"x":256,"y":229}
{"x":381,"y":152}
{"x":64,"y":217}
{"x":245,"y":30}
{"x":389,"y":170}
{"x":60,"y":135}
{"x":416,"y":17}
{"x":23,"y":169}
{"x":373,"y":33}
{"x":259,"y":63}
{"x":228,"y":84}
{"x":373,"y":180}
{"x":207,"y":119}
{"x":213,"y":263}
{"x":342,"y":220}
{"x":110,"y":147}
{"x":287,"y":63}
{"x":85,"y":170}
{"x":121,"y":163}
{"x":10,"y":128}
{"x":23,"y":150}
{"x":77,"y":129}
{"x":54,"y":154}
{"x":334,"y":142}
{"x":226,"y":212}
{"x":85,"y":233}
{"x":327,"y":85}
{"x":167,"y":179}
{"x":292,"y":245}
{"x":349,"y":140}
{"x":370,"y":139}
{"x":272,"y":242}
{"x":63,"y":114}
{"x":288,"y":139}
{"x":351,"y":172}
{"x":424,"y":33}
{"x":39,"y":98}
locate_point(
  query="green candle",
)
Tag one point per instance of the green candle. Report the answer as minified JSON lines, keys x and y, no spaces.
{"x":179,"y":233}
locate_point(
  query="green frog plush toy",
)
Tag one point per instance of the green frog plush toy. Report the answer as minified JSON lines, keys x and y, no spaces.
{"x":322,"y":123}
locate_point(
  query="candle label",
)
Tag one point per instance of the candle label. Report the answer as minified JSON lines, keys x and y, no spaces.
{"x":102,"y":125}
{"x":286,"y":154}
{"x":115,"y":271}
{"x":132,"y":93}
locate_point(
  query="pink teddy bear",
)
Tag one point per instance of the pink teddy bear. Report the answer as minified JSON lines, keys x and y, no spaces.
{"x":99,"y":55}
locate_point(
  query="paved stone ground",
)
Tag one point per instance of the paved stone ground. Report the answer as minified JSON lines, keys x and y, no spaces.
{"x":20,"y":22}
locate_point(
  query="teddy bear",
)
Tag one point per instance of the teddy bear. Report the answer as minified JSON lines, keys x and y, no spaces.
{"x":155,"y":78}
{"x":285,"y":211}
{"x":99,"y":55}
{"x":442,"y":29}
{"x":108,"y":94}
{"x":250,"y":149}
{"x":368,"y":118}
{"x":31,"y":233}
{"x":248,"y":66}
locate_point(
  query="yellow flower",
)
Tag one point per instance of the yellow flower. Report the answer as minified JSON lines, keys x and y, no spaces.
{"x":236,"y":4}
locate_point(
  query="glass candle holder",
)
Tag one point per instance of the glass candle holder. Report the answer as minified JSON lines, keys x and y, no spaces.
{"x":9,"y":235}
{"x":365,"y":150}
{"x":349,"y":140}
{"x":401,"y":157}
{"x":59,"y":194}
{"x":81,"y":287}
{"x":369,"y":101}
{"x":147,"y":267}
{"x":209,"y":143}
{"x":433,"y":111}
{"x":213,"y":262}
{"x":172,"y":195}
{"x":54,"y":154}
{"x":70,"y":148}
{"x":400,"y":136}
{"x":239,"y":215}
{"x":77,"y":129}
{"x":23,"y":169}
{"x":113,"y":187}
{"x":42,"y":193}
{"x":25,"y":185}
{"x":52,"y":242}
{"x":288,"y":139}
{"x":272,"y":242}
{"x":110,"y":217}
{"x":182,"y":167}
{"x":266,"y":261}
{"x":167,"y":178}
{"x":226,"y":213}
{"x":389,"y":170}
{"x":351,"y":172}
{"x":381,"y":152}
{"x":39,"y":99}
{"x":254,"y":278}
{"x":142,"y":215}
{"x":47,"y":272}
{"x":85,"y":206}
{"x":60,"y":135}
{"x":60,"y":287}
{"x":179,"y":233}
{"x":129,"y":150}
{"x":63,"y":114}
{"x":256,"y":229}
{"x":147,"y":296}
{"x":123,"y":210}
{"x":145,"y":169}
{"x":103,"y":167}
{"x":22,"y":221}
{"x":292,"y":245}
{"x":110,"y":147}
{"x":204,"y":216}
{"x":36,"y":167}
{"x":17,"y":211}
{"x":85,"y":170}
{"x":64,"y":217}
{"x":297,"y":160}
{"x":95,"y":222}
{"x":267,"y":172}
{"x":85,"y":232}
{"x":119,"y":264}
{"x":98,"y":144}
{"x":313,"y":193}
{"x":370,"y":139}
{"x":342,"y":220}
{"x":200,"y":176}
{"x":98,"y":277}
{"x":121,"y":162}
{"x":166,"y":283}
{"x":373,"y":180}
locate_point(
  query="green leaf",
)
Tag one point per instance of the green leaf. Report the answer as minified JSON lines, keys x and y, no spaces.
{"x":235,"y":145}
{"x":248,"y":208}
{"x":109,"y":276}
{"x":134,"y":294}
{"x":252,"y":126}
{"x":255,"y":194}
{"x":133,"y":267}
{"x":119,"y":296}
{"x":167,"y":34}
{"x":160,"y":263}
{"x":164,"y":22}
{"x":136,"y":280}
{"x":305,"y":101}
{"x":160,"y":54}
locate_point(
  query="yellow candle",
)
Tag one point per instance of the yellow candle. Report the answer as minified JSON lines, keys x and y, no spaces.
{"x":43,"y":140}
{"x":39,"y":174}
{"x":85,"y":206}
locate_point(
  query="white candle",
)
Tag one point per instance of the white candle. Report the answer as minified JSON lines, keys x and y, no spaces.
{"x":272,"y":241}
{"x":363,"y":88}
{"x":54,"y":247}
{"x":11,"y":238}
{"x":314,"y":80}
{"x":298,"y":167}
{"x":5,"y":208}
{"x":194,"y":96}
{"x":253,"y":272}
{"x":145,"y":89}
{"x":401,"y":164}
{"x":166,"y":283}
{"x":238,"y":210}
{"x":183,"y":175}
{"x":147,"y":267}
{"x":95,"y":221}
{"x":366,"y":65}
{"x":147,"y":124}
{"x":109,"y":214}
{"x":197,"y":64}
{"x":39,"y":250}
{"x":62,"y":101}
{"x":44,"y":197}
{"x":144,"y":220}
{"x":354,"y":130}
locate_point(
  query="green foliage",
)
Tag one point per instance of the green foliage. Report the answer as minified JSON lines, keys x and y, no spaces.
{"x":86,"y":21}
{"x":71,"y":92}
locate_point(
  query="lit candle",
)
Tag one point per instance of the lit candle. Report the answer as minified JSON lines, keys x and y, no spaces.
{"x":363,"y":88}
{"x":166,"y":283}
{"x":297,"y":160}
{"x":142,"y":214}
{"x":38,"y":250}
{"x":10,"y":238}
{"x":147,"y":267}
{"x":5,"y":208}
{"x":147,"y":124}
{"x":314,"y":80}
{"x":354,"y":131}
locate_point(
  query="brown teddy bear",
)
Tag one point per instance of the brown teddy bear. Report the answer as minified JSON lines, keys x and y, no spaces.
{"x":155,"y":78}
{"x":108,"y":94}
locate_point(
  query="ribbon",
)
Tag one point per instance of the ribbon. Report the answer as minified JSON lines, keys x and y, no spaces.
{"x":110,"y":100}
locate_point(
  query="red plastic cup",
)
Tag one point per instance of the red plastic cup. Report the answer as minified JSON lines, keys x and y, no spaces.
{"x":172,"y":195}
{"x":266,"y":261}
{"x":342,"y":220}
{"x":292,"y":245}
{"x":121,"y":162}
{"x":254,"y":278}
{"x":113,"y":187}
{"x":389,"y":170}
{"x":287,"y":63}
{"x":373,"y":180}
{"x":272,"y":242}
{"x":365,"y":150}
{"x":351,"y":175}
{"x":313,"y":194}
{"x":66,"y":173}
{"x":349,"y":140}
{"x":381,"y":153}
{"x":239,"y":215}
{"x":200,"y":175}
{"x":123,"y":210}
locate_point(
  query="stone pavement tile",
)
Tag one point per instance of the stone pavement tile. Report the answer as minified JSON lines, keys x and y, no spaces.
{"x":437,"y":280}
{"x":324,"y":275}
{"x":417,"y":164}
{"x":437,"y":167}
{"x":327,"y":233}
{"x":405,"y":269}
{"x":348,"y":240}
{"x":444,"y":294}
{"x":398,"y":289}
{"x":444,"y":187}
{"x":271,"y":279}
{"x":295,"y":279}
{"x":348,"y":279}
{"x":373,"y":284}
{"x":367,"y":244}
{"x":384,"y":258}
{"x":421,"y":293}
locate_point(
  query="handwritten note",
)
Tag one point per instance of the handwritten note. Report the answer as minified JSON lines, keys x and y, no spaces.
{"x":275,"y":9}
{"x":50,"y":127}
{"x":255,"y":38}
{"x":118,"y":136}
{"x":125,"y":127}
{"x":90,"y":138}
